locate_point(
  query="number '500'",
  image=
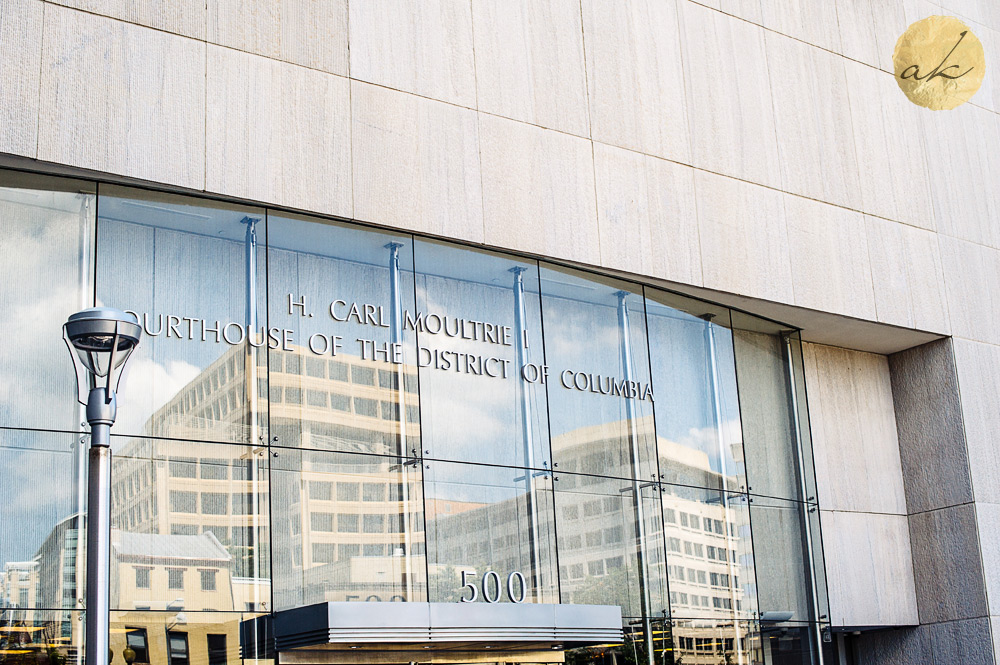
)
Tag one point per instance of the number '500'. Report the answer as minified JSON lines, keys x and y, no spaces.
{"x":491,"y":587}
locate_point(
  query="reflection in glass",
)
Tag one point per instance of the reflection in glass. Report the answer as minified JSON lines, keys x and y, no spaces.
{"x":479,"y":519}
{"x":37,"y":636}
{"x":600,"y":397}
{"x":178,"y":636}
{"x":42,"y":565}
{"x":807,"y":468}
{"x":47,"y":245}
{"x":343,"y":529}
{"x":782,"y":568}
{"x":697,"y":415}
{"x":765,"y":407}
{"x":193,"y":274}
{"x":480,"y":325}
{"x":189,"y":522}
{"x":600,"y":558}
{"x":709,"y":553}
{"x":722,"y":642}
{"x":359,"y":324}
{"x":346,"y":380}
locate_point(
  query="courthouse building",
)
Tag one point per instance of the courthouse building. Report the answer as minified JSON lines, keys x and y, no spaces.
{"x":659,"y":332}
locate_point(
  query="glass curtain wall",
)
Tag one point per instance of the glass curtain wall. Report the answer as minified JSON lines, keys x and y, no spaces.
{"x":393,"y":419}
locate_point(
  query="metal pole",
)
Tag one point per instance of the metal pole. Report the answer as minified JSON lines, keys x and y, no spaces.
{"x":797,"y":435}
{"x":80,"y":447}
{"x":724,"y":473}
{"x":640,"y":523}
{"x":396,"y":337}
{"x":250,"y":361}
{"x":520,"y":342}
{"x":101,"y":409}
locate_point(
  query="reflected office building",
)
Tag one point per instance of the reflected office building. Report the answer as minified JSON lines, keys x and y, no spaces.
{"x":342,"y":445}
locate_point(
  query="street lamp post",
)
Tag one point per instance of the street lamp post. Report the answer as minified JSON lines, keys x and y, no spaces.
{"x":100,"y":340}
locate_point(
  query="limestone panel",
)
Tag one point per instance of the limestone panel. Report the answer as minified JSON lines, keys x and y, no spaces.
{"x":932,"y":447}
{"x":968,"y":641}
{"x":831,"y":270}
{"x":416,"y":163}
{"x":635,"y":77}
{"x":907,"y":645}
{"x":812,"y":22}
{"x":995,"y":626}
{"x":907,"y":276}
{"x":744,"y":243}
{"x":748,"y":10}
{"x":538,"y":190}
{"x":981,"y":11}
{"x":183,"y":17}
{"x":278,"y":133}
{"x":813,"y":120}
{"x":248,"y":25}
{"x":20,"y":57}
{"x":970,"y":275}
{"x":855,"y":444}
{"x":420,"y":47}
{"x":646,"y":215}
{"x":312,"y":33}
{"x":856,"y":24}
{"x":869,"y":570}
{"x":963,"y":156}
{"x":121,"y":98}
{"x":988,"y":516}
{"x":978,"y":368}
{"x":529,"y":63}
{"x":947,"y":566}
{"x":890,"y":20}
{"x":895,"y":181}
{"x":728,"y":96}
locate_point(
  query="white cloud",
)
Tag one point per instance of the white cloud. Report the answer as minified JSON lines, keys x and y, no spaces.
{"x":147,"y":386}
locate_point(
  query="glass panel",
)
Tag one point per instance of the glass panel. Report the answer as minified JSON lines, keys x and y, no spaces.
{"x":698,"y":641}
{"x":346,"y":380}
{"x":765,"y":407}
{"x":178,"y":636}
{"x":802,"y":411}
{"x":37,"y":636}
{"x":485,"y":518}
{"x":697,"y":415}
{"x":600,"y":398}
{"x":709,"y":553}
{"x":781,"y":555}
{"x":600,"y":550}
{"x":41,"y":549}
{"x":48,"y":227}
{"x":181,"y":540}
{"x":348,"y":528}
{"x":480,"y":324}
{"x":182,"y":266}
{"x":789,"y":643}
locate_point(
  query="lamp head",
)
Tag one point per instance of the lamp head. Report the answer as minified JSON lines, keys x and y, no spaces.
{"x":101,"y":340}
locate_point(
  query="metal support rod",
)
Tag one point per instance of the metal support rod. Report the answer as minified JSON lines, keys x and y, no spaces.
{"x":640,"y":523}
{"x":520,"y":343}
{"x":101,"y":408}
{"x":250,"y":365}
{"x":81,"y":446}
{"x":723,"y":470}
{"x":396,"y":337}
{"x":807,"y":528}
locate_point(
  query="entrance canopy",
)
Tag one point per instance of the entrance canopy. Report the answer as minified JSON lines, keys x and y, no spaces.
{"x":309,"y":634}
